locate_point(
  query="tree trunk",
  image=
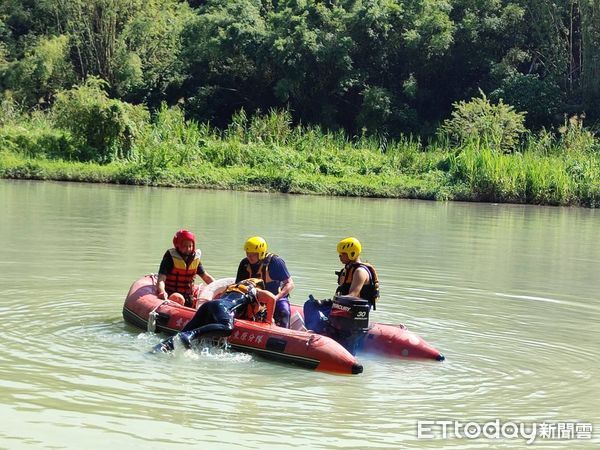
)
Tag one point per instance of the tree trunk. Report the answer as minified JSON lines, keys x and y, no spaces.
{"x":590,"y":37}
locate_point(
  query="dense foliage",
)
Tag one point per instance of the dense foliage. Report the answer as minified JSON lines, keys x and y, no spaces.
{"x":375,"y":66}
{"x":471,"y":99}
{"x":267,"y":152}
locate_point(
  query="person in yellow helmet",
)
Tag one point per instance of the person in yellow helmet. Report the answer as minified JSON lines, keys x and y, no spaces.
{"x":357,"y":278}
{"x":272,"y":269}
{"x":345,"y":318}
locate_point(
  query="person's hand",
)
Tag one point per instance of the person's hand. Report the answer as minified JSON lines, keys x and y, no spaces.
{"x":161,"y":294}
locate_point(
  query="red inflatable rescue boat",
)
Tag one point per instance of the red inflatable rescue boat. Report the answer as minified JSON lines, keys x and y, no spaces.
{"x":390,"y":340}
{"x":145,"y":310}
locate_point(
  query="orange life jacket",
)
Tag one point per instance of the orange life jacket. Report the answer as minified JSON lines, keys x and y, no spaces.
{"x":370,"y":290}
{"x":244,"y":286}
{"x":253,"y":306}
{"x":181,"y":278}
{"x":262,"y":271}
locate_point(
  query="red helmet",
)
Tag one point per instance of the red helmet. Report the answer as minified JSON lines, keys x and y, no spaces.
{"x":181,"y":236}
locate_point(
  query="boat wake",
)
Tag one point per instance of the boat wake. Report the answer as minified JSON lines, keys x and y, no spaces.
{"x":205,"y":348}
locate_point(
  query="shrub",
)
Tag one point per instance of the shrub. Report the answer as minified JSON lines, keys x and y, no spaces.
{"x":10,"y":111}
{"x":104,"y":128}
{"x":574,"y":138}
{"x":273,"y":128}
{"x":37,"y":141}
{"x":540,"y":98}
{"x":498,"y":126}
{"x":375,"y":111}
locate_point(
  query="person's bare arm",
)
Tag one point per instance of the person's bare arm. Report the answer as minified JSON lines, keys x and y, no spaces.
{"x":359,"y":279}
{"x":207,"y":278}
{"x":160,"y":286}
{"x":286,"y":288}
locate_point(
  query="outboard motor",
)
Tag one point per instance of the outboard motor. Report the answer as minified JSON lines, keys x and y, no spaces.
{"x":349,"y":321}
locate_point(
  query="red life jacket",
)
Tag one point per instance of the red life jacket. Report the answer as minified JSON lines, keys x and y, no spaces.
{"x":181,"y":278}
{"x":369,"y":291}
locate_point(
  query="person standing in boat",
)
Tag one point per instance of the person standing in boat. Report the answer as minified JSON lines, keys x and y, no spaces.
{"x":179,"y":267}
{"x":273,"y":271}
{"x":246,"y":300}
{"x":357,"y":278}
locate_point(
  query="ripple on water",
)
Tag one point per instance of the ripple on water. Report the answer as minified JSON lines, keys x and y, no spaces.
{"x":507,"y":293}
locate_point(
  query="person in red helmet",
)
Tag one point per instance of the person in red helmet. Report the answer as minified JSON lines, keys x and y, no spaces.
{"x":179,"y":267}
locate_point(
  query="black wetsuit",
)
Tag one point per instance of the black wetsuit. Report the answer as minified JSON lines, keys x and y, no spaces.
{"x":213,"y":319}
{"x":217,"y":315}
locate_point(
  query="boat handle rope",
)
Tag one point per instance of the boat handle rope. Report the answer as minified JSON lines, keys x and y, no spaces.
{"x":153,"y":315}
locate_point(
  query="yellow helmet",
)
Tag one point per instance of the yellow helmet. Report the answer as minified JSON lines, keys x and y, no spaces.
{"x":256,"y":244}
{"x":351,"y":247}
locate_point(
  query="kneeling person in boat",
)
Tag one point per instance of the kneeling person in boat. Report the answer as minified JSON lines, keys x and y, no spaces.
{"x":272,"y":269}
{"x":178,"y":269}
{"x":246,"y":300}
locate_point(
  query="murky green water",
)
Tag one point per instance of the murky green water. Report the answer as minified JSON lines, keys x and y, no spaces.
{"x":509,"y":293}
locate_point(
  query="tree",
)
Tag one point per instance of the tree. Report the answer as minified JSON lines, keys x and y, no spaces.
{"x":590,"y":33}
{"x":132,"y":44}
{"x":309,"y":47}
{"x":43,"y":70}
{"x":223,"y":52}
{"x":150,"y":66}
{"x":399,"y":48}
{"x":541,"y":98}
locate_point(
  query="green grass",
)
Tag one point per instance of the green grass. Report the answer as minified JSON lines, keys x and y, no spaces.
{"x":267,"y":153}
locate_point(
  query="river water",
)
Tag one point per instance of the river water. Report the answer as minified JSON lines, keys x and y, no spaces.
{"x":510,"y":294}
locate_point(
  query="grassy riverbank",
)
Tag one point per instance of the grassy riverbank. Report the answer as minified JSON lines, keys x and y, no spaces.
{"x":267,"y":153}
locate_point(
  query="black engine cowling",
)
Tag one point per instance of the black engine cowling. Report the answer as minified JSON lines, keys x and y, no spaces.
{"x":344,"y":319}
{"x":350,"y":314}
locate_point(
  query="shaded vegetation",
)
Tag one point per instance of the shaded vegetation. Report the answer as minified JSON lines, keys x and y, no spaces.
{"x":269,"y":153}
{"x":493,"y":100}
